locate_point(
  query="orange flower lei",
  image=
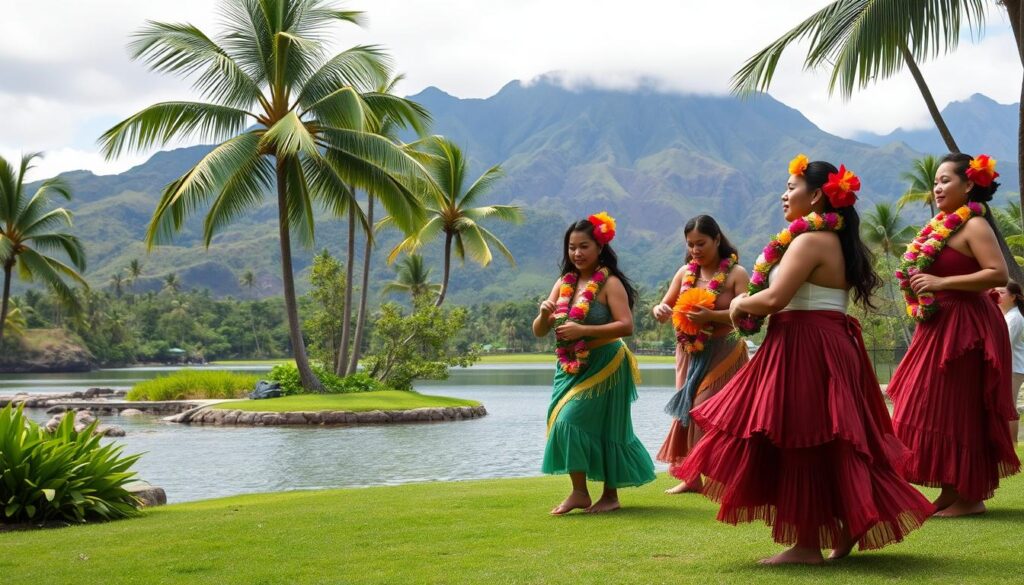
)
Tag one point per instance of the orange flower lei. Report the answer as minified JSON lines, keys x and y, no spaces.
{"x":572,"y":354}
{"x":689,"y":334}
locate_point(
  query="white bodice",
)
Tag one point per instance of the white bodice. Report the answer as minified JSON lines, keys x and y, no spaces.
{"x":812,"y":297}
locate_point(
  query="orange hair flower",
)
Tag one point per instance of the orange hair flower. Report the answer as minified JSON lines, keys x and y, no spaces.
{"x":798,"y":165}
{"x":982,"y":170}
{"x":842,"y":188}
{"x":604,"y":227}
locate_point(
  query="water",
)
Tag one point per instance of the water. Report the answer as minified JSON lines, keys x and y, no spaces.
{"x":199,"y":462}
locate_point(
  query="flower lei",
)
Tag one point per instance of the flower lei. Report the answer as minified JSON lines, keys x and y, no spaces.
{"x":773,"y":253}
{"x":694,"y":342}
{"x":572,"y":354}
{"x":922,"y":251}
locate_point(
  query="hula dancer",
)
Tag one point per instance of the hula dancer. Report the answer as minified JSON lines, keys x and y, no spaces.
{"x":950,"y":400}
{"x":707,"y":356}
{"x":801,"y":437}
{"x":590,"y":430}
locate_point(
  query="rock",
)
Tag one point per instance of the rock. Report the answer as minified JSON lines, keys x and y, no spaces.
{"x":56,"y":410}
{"x":332,"y":417}
{"x":131,"y":412}
{"x":246,"y":418}
{"x":231,"y":417}
{"x":436,"y":414}
{"x":265,"y":389}
{"x":95,"y":392}
{"x":313,"y":418}
{"x":109,"y":431}
{"x":84,"y":417}
{"x":272,"y":418}
{"x":294,"y":418}
{"x":77,"y":395}
{"x":147,"y":494}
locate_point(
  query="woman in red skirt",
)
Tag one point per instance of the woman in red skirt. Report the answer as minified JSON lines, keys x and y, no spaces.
{"x":950,"y":398}
{"x":801,"y":437}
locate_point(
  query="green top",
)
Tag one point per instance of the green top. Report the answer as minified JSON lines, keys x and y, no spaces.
{"x":599,"y":314}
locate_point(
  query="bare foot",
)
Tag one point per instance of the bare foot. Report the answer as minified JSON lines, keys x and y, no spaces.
{"x":575,"y":500}
{"x":795,"y":556}
{"x":962,"y":508}
{"x":605,"y":504}
{"x":684,"y":488}
{"x":945,"y":500}
{"x":844,"y":549}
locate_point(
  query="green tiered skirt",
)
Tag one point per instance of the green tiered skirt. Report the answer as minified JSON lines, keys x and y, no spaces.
{"x":590,"y":429}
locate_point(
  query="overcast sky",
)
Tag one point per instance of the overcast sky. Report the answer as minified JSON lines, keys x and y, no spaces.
{"x":65,"y":75}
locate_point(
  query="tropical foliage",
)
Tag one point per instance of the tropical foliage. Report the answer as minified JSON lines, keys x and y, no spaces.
{"x":61,"y":476}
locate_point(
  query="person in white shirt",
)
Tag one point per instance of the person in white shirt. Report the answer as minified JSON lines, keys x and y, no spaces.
{"x":1011,"y":301}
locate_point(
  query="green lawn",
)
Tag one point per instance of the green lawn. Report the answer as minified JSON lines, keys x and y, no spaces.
{"x":495,"y":531}
{"x":549,"y":358}
{"x":355,"y":402}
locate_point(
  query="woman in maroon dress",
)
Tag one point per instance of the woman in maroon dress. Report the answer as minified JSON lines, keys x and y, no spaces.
{"x":800,"y":438}
{"x":951,"y":406}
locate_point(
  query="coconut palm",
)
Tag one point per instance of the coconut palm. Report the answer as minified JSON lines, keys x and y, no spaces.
{"x":922,"y":180}
{"x":30,"y":231}
{"x":287,"y":119}
{"x":412,"y":277}
{"x":887,"y":233}
{"x":134,"y":272}
{"x":452,"y":213}
{"x":117,"y":282}
{"x":172,"y":283}
{"x":864,"y":41}
{"x":388,"y":128}
{"x":248,"y":280}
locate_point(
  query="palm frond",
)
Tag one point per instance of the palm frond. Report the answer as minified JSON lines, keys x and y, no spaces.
{"x":363,"y":67}
{"x":289,"y":137}
{"x":160,"y":123}
{"x":243,"y":190}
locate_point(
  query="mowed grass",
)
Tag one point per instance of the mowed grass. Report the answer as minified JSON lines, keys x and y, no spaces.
{"x":354,"y":402}
{"x":495,"y":531}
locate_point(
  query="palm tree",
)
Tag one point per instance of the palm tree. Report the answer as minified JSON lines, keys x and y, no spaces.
{"x":29,"y":231}
{"x":248,"y":280}
{"x":452,"y":213}
{"x":388,"y":128}
{"x":286,"y":117}
{"x":117,"y":282}
{"x":864,"y":41}
{"x":134,"y":272}
{"x":922,"y":180}
{"x":887,"y":233}
{"x":412,"y":277}
{"x":172,"y":283}
{"x":1009,"y":221}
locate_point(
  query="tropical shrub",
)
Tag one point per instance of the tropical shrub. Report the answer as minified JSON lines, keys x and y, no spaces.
{"x":287,"y":375}
{"x":194,"y":384}
{"x":64,"y":475}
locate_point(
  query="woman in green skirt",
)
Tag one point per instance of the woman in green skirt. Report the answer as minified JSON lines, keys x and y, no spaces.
{"x":589,"y":428}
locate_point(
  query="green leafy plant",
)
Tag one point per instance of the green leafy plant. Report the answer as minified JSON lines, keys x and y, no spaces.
{"x":64,"y":475}
{"x":287,"y":375}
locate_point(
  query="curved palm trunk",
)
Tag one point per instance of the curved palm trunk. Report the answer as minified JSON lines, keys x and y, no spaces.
{"x":340,"y":363}
{"x":357,"y":345}
{"x":926,"y":93}
{"x":447,"y":268}
{"x":8,"y":266}
{"x":306,"y":375}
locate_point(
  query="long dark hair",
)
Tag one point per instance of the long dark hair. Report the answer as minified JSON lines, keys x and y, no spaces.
{"x":707,"y":225}
{"x":1018,"y":295}
{"x":860,"y":271}
{"x":606,"y":258}
{"x":977,"y":193}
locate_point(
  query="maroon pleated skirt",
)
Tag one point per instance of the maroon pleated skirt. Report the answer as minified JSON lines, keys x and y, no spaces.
{"x":952,"y":401}
{"x":801,"y":439}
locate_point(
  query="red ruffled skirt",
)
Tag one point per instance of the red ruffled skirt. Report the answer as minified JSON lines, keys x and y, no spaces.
{"x":801,"y":439}
{"x":952,"y":400}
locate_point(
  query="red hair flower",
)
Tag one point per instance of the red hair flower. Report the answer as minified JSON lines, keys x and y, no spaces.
{"x":604,"y":227}
{"x":842,"y":188}
{"x":982,"y":170}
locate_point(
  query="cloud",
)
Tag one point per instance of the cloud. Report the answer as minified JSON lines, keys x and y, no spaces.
{"x":67,"y":74}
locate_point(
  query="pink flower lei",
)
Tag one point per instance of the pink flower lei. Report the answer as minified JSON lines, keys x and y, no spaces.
{"x":572,"y":354}
{"x":922,"y":251}
{"x":695,"y":343}
{"x":772,"y":255}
